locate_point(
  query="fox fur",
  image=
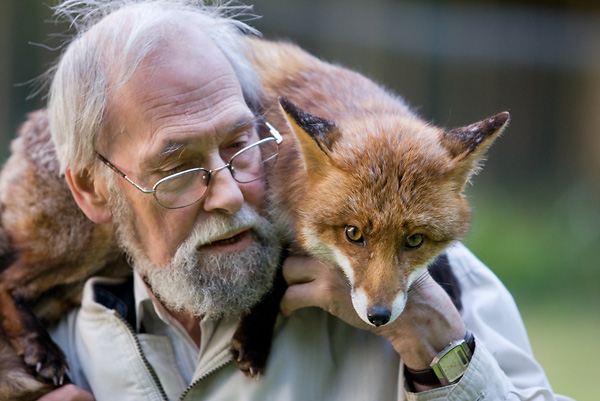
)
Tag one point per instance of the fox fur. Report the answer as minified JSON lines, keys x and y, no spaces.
{"x":49,"y":248}
{"x":360,"y":181}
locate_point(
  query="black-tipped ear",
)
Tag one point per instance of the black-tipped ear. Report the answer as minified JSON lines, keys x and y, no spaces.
{"x":319,"y":129}
{"x":314,"y":135}
{"x":474,"y":138}
{"x":467,"y":145}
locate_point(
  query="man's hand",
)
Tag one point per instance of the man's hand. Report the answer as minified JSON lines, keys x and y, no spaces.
{"x":428,"y":323}
{"x":68,"y":392}
{"x":315,"y":283}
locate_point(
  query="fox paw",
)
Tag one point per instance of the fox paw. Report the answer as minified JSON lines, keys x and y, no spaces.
{"x":45,"y":359}
{"x":250,"y":361}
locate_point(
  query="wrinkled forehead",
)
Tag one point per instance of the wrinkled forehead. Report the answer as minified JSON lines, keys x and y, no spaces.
{"x":183,"y":82}
{"x":190,"y":66}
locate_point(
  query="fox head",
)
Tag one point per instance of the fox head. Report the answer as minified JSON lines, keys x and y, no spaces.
{"x":384,"y":197}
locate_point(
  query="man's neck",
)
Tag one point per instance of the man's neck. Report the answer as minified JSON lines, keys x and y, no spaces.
{"x":190,"y":323}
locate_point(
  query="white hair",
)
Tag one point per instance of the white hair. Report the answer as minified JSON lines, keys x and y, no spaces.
{"x":112,"y":38}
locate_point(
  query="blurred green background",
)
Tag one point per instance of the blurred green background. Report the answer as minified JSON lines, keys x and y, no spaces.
{"x":536,"y":219}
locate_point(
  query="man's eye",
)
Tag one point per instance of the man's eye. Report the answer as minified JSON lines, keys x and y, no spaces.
{"x":230,"y":149}
{"x":242,"y":139}
{"x":240,"y":142}
{"x":238,"y":145}
{"x":177,"y":169}
{"x":174,"y":170}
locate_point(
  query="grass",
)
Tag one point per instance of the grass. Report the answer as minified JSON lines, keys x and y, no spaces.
{"x":565,"y":342}
{"x":545,"y":248}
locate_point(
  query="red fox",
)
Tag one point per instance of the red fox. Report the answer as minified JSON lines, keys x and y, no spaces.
{"x":363,"y":182}
{"x":360,"y":181}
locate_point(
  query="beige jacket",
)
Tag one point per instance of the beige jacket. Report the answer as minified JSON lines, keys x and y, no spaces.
{"x":314,"y":356}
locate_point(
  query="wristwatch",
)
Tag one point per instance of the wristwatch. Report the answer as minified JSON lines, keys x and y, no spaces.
{"x":448,"y":366}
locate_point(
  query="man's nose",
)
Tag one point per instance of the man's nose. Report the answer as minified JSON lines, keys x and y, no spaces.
{"x":223,"y":193}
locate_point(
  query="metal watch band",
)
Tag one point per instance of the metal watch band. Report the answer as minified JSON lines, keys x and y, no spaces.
{"x":427,"y":377}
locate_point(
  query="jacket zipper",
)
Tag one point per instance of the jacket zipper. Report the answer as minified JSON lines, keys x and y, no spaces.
{"x":140,"y":352}
{"x":204,"y":376}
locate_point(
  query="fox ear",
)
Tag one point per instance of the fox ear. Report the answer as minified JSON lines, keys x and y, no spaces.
{"x":467,"y":145}
{"x":315,"y":135}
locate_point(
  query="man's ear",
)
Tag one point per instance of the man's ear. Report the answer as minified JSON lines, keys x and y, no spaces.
{"x":90,"y":195}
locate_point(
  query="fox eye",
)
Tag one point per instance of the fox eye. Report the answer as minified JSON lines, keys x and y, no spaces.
{"x":354,"y":235}
{"x":414,"y":241}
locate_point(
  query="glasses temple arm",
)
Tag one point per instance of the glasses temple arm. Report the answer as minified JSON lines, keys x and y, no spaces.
{"x":122,"y":174}
{"x":110,"y":165}
{"x":274,"y":132}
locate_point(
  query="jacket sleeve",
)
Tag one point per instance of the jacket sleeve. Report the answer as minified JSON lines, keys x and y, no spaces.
{"x":503,"y":366}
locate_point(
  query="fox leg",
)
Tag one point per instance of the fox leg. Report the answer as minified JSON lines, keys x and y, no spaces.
{"x":251,"y":342}
{"x":16,"y":382}
{"x":30,"y":339}
{"x":10,"y":319}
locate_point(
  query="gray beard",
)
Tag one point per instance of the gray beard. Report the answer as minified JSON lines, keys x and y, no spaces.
{"x":206,"y":283}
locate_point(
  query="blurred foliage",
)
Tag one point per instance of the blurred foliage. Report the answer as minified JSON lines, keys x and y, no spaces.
{"x":543,"y":246}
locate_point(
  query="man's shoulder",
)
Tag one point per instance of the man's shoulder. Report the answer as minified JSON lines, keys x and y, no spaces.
{"x":101,"y":296}
{"x":464,"y":262}
{"x":475,"y":278}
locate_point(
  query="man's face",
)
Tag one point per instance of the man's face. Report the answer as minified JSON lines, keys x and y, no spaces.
{"x":183,"y":109}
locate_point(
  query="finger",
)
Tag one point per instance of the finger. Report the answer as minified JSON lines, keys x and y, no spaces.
{"x":328,"y":289}
{"x":301,"y":269}
{"x":298,"y":296}
{"x":68,"y":392}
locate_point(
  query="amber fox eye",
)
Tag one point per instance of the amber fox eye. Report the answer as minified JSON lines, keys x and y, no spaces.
{"x":354,"y":235}
{"x":414,"y":241}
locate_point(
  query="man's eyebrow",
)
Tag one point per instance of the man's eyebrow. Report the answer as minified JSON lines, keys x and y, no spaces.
{"x":247,"y":121}
{"x":171,"y":149}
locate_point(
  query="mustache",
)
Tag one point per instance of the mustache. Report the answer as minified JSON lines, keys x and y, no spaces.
{"x":219,"y":226}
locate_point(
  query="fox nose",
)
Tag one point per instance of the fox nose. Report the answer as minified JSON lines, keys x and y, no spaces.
{"x":379,"y":315}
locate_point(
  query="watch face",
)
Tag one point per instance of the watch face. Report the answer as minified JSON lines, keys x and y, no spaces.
{"x":454,"y":364}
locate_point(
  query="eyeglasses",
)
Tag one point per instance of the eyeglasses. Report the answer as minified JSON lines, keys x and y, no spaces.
{"x":187,"y":187}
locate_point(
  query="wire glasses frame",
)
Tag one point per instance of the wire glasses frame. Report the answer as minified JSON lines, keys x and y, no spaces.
{"x":187,"y":187}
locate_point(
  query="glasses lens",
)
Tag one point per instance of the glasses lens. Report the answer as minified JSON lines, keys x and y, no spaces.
{"x":255,"y":161}
{"x":182,"y":189}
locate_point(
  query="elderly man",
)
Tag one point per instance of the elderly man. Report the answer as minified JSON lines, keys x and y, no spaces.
{"x":153,"y":89}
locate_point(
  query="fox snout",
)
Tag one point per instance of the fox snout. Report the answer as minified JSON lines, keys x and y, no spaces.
{"x":380,"y":302}
{"x":377,"y":313}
